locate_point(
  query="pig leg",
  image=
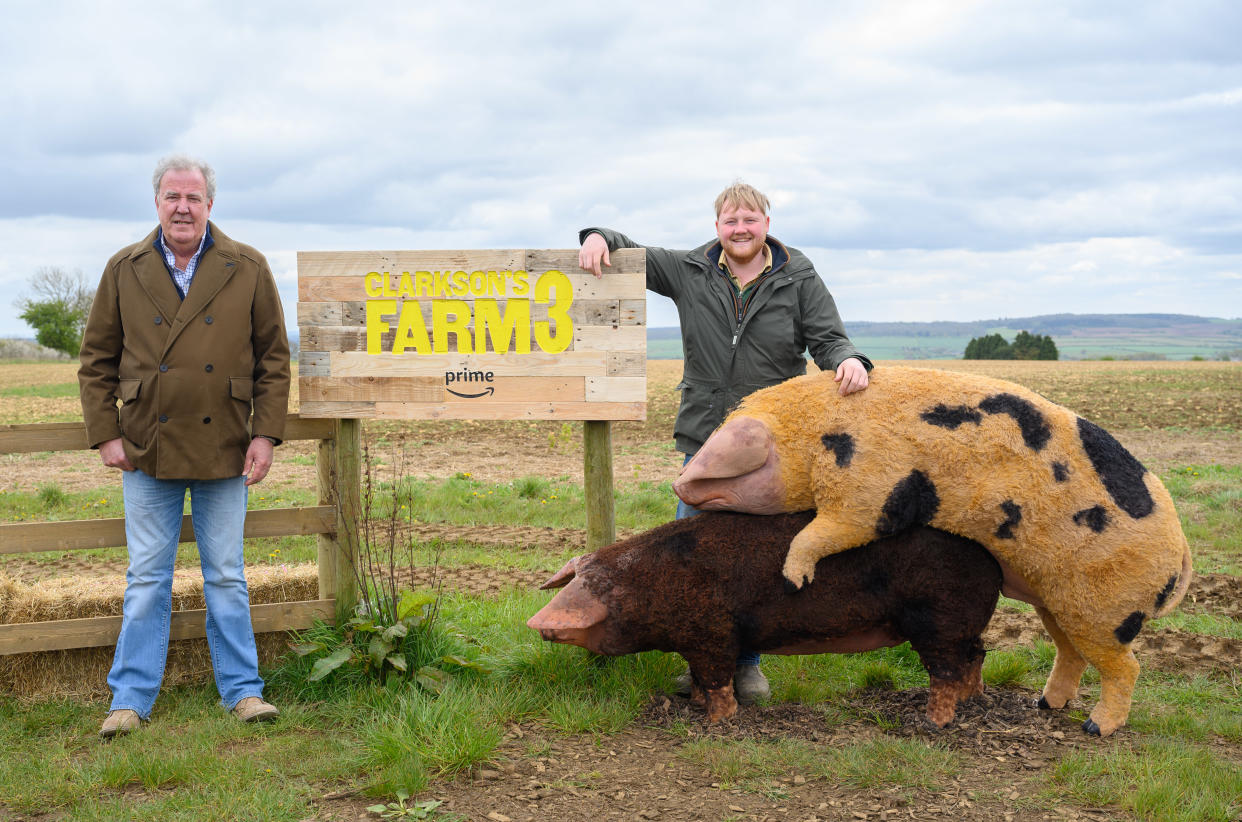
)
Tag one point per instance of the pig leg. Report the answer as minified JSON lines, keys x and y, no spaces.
{"x":1062,"y":685}
{"x":956,"y":673}
{"x":1118,"y":669}
{"x":720,"y":703}
{"x":943,"y":699}
{"x":821,"y":537}
{"x":712,"y":688}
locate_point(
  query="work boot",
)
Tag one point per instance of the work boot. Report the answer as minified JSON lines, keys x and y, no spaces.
{"x":119,"y":723}
{"x":254,"y":709}
{"x":750,"y":685}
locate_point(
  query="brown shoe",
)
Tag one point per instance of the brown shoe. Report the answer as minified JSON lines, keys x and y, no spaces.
{"x":254,"y":709}
{"x":119,"y":723}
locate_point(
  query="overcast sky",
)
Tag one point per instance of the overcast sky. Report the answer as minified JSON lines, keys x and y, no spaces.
{"x":936,"y":160}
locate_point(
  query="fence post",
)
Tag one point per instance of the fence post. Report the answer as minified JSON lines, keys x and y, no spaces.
{"x":339,"y":470}
{"x":597,"y":482}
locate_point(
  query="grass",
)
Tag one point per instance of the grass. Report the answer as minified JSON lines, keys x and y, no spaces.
{"x":1161,"y":779}
{"x":1179,"y":760}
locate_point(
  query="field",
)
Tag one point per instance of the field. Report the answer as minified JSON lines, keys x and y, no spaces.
{"x":550,"y":733}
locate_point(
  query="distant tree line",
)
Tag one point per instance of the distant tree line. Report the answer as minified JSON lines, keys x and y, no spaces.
{"x":1025,"y":346}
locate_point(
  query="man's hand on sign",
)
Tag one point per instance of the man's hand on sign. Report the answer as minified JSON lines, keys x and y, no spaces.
{"x":593,"y":252}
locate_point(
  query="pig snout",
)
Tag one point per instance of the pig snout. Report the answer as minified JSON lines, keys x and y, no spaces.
{"x":573,"y":617}
{"x":736,"y":469}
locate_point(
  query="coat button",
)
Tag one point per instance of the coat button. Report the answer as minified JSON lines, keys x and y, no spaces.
{"x":208,"y":319}
{"x":207,"y":368}
{"x":163,"y":368}
{"x":159,"y":320}
{"x":206,"y":420}
{"x":163,"y":418}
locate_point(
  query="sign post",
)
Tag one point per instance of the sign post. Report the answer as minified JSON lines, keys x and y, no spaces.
{"x":508,"y":334}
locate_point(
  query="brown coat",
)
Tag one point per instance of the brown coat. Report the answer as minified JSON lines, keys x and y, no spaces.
{"x":188,"y":373}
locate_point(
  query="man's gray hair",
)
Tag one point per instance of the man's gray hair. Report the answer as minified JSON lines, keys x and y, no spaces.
{"x":184,"y":162}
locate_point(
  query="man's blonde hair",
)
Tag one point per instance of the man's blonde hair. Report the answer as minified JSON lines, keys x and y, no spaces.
{"x":742,"y":195}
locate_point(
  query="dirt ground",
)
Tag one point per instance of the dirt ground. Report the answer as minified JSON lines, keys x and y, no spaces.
{"x":1006,"y":746}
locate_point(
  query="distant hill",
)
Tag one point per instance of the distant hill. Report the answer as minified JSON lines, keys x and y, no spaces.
{"x":1078,"y":336}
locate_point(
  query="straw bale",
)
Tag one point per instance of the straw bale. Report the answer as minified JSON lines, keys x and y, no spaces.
{"x":82,"y":672}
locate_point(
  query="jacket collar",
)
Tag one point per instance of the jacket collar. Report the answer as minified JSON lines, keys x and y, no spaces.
{"x":217,"y":265}
{"x":709,"y":254}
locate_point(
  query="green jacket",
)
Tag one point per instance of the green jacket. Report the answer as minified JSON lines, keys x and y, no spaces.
{"x":732,"y":347}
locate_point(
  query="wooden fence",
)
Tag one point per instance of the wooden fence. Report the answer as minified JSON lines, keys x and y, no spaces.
{"x":333,"y":520}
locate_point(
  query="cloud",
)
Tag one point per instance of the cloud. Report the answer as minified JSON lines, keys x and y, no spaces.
{"x":942,"y":150}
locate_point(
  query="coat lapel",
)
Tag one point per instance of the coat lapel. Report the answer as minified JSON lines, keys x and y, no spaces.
{"x":215,"y":268}
{"x":153,"y":276}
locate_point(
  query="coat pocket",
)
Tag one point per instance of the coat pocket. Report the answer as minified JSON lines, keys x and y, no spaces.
{"x":127,"y":390}
{"x":135,"y":416}
{"x":241,"y":389}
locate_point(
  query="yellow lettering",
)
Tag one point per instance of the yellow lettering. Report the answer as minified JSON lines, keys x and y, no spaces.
{"x":405,"y":287}
{"x":502,"y":326}
{"x":521,"y":287}
{"x":478,"y":283}
{"x":444,"y":285}
{"x":411,"y":330}
{"x":422,"y":283}
{"x":496,"y":282}
{"x":555,"y":335}
{"x":373,"y":283}
{"x":376,"y":326}
{"x":461,"y":284}
{"x":442,"y":326}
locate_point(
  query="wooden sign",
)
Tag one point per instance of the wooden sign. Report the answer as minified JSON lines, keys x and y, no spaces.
{"x":471,"y":335}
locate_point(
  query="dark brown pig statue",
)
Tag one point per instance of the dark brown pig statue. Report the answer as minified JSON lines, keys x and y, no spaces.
{"x":710,"y":585}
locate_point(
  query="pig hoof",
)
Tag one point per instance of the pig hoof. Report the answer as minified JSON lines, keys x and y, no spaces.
{"x":1091,"y":728}
{"x":792,"y":587}
{"x":1042,"y":704}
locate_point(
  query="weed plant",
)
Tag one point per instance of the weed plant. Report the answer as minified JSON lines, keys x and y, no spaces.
{"x":393,"y":635}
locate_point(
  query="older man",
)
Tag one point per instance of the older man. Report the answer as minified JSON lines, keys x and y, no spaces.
{"x":187,"y":333}
{"x":750,"y":308}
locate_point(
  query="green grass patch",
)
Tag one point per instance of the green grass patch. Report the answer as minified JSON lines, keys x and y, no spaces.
{"x":532,"y":501}
{"x":1160,"y":779}
{"x":1209,"y":500}
{"x":47,"y":391}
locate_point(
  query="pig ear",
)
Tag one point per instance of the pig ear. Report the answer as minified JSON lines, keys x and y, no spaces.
{"x":562,"y":577}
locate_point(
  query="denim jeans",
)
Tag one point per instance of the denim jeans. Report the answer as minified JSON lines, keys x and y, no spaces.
{"x":153,"y":509}
{"x":745,"y":656}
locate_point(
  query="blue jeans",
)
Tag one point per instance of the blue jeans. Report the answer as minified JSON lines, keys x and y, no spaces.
{"x":745,"y":656}
{"x":153,"y":509}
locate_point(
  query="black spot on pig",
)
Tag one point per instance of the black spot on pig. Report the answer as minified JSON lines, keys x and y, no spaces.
{"x":682,"y":544}
{"x":1128,"y":630}
{"x":1013,"y":515}
{"x":913,"y":501}
{"x":1060,"y":471}
{"x":951,"y":416}
{"x":1035,"y":430}
{"x":1095,"y":518}
{"x":917,"y":621}
{"x":840,"y":444}
{"x":1120,"y":472}
{"x":1164,"y":592}
{"x":876,"y":582}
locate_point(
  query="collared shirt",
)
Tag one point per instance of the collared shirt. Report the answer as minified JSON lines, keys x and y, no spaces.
{"x":737,"y":286}
{"x":183,"y":277}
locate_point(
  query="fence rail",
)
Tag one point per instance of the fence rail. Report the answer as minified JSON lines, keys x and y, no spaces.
{"x":333,"y":520}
